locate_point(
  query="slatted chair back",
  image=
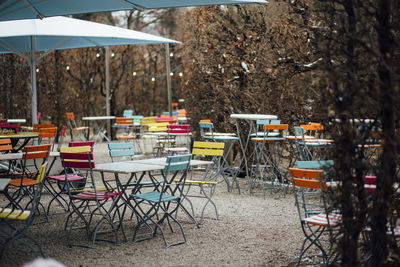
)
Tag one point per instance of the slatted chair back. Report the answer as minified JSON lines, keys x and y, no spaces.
{"x":147,"y":120}
{"x":178,"y":128}
{"x":308,"y":178}
{"x":36,"y":152}
{"x":124,"y":121}
{"x":177,"y":163}
{"x":77,"y":149}
{"x":39,"y":126}
{"x":182,"y":113}
{"x":128,"y":113}
{"x":5,"y":145}
{"x":82,"y":143}
{"x":206,"y":120}
{"x":117,"y":150}
{"x":206,"y":127}
{"x":77,"y":160}
{"x":136,"y":118}
{"x":166,"y":119}
{"x":214,"y":149}
{"x":157,"y":127}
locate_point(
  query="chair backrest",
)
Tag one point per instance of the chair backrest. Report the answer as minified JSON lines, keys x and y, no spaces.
{"x":208,"y":148}
{"x":36,"y":152}
{"x":39,"y":126}
{"x":174,"y":113}
{"x":9,"y":128}
{"x":46,"y":133}
{"x":206,"y":127}
{"x":128,"y":113}
{"x":136,"y":118}
{"x":178,"y":128}
{"x":77,"y":149}
{"x":182,"y":113}
{"x":5,"y":145}
{"x":147,"y":120}
{"x":298,"y":133}
{"x":82,"y":143}
{"x":71,"y":120}
{"x":166,"y":119}
{"x":77,"y":160}
{"x":124,"y":121}
{"x":307,"y":178}
{"x":121,"y":150}
{"x":177,"y":163}
{"x":157,"y":127}
{"x":41,"y":173}
{"x":206,"y":120}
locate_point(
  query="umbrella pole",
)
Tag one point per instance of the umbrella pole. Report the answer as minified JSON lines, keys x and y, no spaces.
{"x":168,"y":79}
{"x":33,"y":81}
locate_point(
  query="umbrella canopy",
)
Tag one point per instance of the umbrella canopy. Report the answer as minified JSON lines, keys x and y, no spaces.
{"x":56,"y":33}
{"x":19,"y":9}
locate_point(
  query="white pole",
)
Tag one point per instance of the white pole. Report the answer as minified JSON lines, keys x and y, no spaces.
{"x":108,"y":112}
{"x":168,"y":79}
{"x":33,"y":81}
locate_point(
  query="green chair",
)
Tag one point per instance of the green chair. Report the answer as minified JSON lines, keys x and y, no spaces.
{"x":158,"y":206}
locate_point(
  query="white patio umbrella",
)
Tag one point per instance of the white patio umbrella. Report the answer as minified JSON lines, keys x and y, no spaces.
{"x":32,"y":9}
{"x":27,"y":37}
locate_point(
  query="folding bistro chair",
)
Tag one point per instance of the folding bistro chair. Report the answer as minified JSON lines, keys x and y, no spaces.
{"x":208,"y":134}
{"x":56,"y":184}
{"x":174,"y":131}
{"x":5,"y":147}
{"x":128,"y":113}
{"x":318,"y":220}
{"x":23,"y":185}
{"x":90,"y":205}
{"x":46,"y":135}
{"x":15,"y":222}
{"x":73,"y":128}
{"x":155,"y":207}
{"x":205,"y":186}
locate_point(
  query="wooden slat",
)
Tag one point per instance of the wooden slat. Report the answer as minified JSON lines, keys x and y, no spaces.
{"x":306,"y":173}
{"x":207,"y":152}
{"x":314,"y":184}
{"x":77,"y":149}
{"x":120,"y":146}
{"x":122,"y":153}
{"x":200,"y":144}
{"x":76,"y":156}
{"x":79,"y":164}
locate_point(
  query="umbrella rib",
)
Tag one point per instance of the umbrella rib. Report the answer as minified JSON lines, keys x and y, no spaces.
{"x":40,"y":15}
{"x":29,"y":5}
{"x":135,"y":6}
{"x":63,"y":41}
{"x":91,"y":41}
{"x":13,"y":49}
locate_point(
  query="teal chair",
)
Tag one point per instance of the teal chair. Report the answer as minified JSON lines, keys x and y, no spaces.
{"x":128,"y":113}
{"x":119,"y":150}
{"x":160,"y":206}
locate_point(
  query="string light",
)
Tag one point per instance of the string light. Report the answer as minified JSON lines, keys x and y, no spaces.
{"x":112,"y":54}
{"x":171,"y":74}
{"x":171,"y":54}
{"x":153,"y":79}
{"x":134,"y":73}
{"x":98,"y":54}
{"x":37,"y":69}
{"x":67,"y":67}
{"x":180,"y":74}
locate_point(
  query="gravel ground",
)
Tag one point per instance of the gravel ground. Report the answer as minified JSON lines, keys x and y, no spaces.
{"x":251,"y":231}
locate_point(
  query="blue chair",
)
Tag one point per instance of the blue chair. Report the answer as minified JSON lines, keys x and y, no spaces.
{"x":128,"y":113}
{"x":118,"y":150}
{"x":158,"y":206}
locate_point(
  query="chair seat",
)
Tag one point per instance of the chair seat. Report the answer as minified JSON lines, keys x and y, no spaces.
{"x":25,"y":182}
{"x":91,"y":195}
{"x":321,"y":220}
{"x":14,"y":214}
{"x":70,"y":177}
{"x":154,"y":197}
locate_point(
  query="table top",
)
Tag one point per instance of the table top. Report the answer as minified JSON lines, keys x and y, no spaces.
{"x":16,"y":121}
{"x":292,"y":137}
{"x":254,"y":116}
{"x":16,"y":156}
{"x":162,"y":161}
{"x":126,"y":167}
{"x":96,"y":118}
{"x":20,"y":135}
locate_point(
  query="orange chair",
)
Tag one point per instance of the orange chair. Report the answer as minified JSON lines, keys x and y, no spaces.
{"x":48,"y":134}
{"x":74,"y":128}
